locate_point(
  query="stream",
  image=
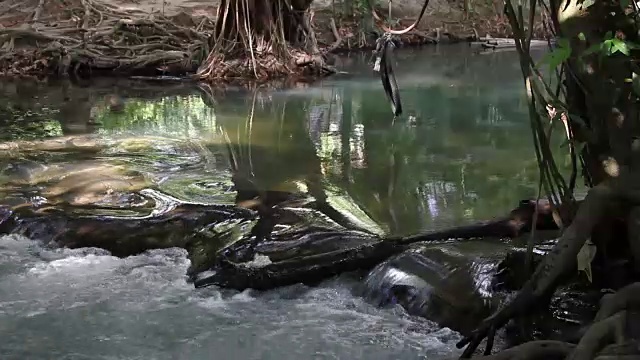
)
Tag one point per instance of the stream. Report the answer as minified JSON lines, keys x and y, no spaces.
{"x":461,"y":152}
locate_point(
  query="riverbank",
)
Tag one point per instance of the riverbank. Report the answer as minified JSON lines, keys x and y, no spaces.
{"x":84,"y":38}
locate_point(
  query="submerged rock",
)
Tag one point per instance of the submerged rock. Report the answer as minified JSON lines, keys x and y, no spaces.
{"x":75,"y":183}
{"x":197,"y":228}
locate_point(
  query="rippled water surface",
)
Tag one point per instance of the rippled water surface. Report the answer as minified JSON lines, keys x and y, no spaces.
{"x":460,"y":153}
{"x":88,"y":305}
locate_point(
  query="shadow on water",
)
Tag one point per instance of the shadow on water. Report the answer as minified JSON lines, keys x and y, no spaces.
{"x":327,"y":153}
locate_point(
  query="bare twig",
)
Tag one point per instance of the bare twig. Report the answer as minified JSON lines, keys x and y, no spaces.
{"x":12,"y":7}
{"x":38,"y":11}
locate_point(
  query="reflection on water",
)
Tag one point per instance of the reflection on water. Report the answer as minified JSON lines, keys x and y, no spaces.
{"x":465,"y":154}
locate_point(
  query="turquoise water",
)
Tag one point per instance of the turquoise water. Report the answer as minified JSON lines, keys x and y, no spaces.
{"x":461,"y":152}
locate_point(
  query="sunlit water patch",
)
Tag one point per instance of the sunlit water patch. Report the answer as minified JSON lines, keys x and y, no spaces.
{"x":87,"y":304}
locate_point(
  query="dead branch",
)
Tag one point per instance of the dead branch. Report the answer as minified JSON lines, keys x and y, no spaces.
{"x":38,"y":11}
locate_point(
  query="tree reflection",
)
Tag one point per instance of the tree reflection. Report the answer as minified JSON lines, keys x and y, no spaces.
{"x":466,"y":157}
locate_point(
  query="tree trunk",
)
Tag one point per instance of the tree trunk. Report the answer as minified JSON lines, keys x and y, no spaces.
{"x":603,"y":115}
{"x":262,"y":40}
{"x":600,"y":94}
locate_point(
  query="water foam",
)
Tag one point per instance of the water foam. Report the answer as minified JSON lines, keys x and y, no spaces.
{"x":84,"y":303}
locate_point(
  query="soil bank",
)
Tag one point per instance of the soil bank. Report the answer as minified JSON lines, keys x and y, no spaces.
{"x":170,"y":37}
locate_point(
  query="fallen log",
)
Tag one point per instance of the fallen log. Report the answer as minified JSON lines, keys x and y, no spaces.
{"x":299,"y":254}
{"x":310,"y":255}
{"x":491,"y":45}
{"x":503,"y":42}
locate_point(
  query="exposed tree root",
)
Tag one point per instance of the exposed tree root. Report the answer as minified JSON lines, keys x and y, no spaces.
{"x":560,"y":261}
{"x":91,"y":36}
{"x":615,"y":334}
{"x":626,"y":298}
{"x":254,"y":40}
{"x":266,"y":38}
{"x":600,"y":334}
{"x":534,"y":350}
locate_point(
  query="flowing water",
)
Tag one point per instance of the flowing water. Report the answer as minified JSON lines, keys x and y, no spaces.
{"x":461,"y":152}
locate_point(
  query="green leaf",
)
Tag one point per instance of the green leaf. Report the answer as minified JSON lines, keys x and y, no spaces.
{"x":624,"y":4}
{"x":582,"y":37}
{"x":618,"y":45}
{"x":564,"y":43}
{"x":558,"y":55}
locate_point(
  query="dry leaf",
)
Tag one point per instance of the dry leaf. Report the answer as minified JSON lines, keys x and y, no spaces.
{"x":557,"y":219}
{"x":585,"y":256}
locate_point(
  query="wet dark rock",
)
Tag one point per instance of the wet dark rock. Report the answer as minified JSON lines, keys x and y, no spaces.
{"x":184,"y":225}
{"x":459,"y":284}
{"x":442,"y":283}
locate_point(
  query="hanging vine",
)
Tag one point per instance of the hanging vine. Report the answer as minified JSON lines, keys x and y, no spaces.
{"x":593,"y":97}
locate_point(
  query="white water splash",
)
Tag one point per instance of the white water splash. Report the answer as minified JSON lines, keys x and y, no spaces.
{"x":86,"y":303}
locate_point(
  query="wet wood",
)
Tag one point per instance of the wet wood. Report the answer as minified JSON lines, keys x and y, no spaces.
{"x":344,"y":251}
{"x":518,"y":222}
{"x":328,"y":252}
{"x":499,"y":43}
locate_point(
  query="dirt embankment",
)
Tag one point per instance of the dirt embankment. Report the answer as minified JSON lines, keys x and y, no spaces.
{"x":152,"y":37}
{"x":448,"y":16}
{"x":485,"y":17}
